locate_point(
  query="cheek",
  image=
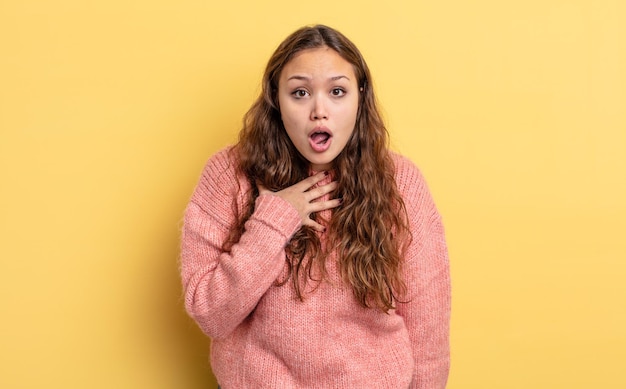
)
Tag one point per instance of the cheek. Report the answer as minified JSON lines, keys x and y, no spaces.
{"x":287,"y":121}
{"x":291,"y":115}
{"x":351,"y":114}
{"x":290,"y":122}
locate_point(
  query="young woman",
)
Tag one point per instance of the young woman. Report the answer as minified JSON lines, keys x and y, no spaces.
{"x":312,"y":255}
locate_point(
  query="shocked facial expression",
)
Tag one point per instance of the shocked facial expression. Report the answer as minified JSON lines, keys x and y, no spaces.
{"x":318,"y":95}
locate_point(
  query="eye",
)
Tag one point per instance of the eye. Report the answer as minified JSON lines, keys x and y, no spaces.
{"x":300,"y":93}
{"x":337,"y":92}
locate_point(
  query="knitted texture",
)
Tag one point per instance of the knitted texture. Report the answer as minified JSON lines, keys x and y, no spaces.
{"x":264,"y":337}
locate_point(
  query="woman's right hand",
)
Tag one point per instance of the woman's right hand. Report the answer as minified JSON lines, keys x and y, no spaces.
{"x":302,"y":198}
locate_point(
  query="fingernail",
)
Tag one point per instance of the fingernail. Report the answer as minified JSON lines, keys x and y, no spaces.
{"x":340,"y":200}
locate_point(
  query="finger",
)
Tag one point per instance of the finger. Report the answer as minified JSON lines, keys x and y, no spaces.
{"x":313,"y":224}
{"x":310,"y":181}
{"x":321,"y":191}
{"x":324,"y":205}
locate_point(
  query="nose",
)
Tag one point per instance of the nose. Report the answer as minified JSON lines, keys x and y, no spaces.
{"x":319,"y":111}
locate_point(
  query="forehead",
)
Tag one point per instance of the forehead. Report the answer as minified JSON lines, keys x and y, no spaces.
{"x":318,"y":62}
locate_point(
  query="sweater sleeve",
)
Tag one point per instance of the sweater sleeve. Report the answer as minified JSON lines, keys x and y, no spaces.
{"x":222,"y":288}
{"x":426,"y":308}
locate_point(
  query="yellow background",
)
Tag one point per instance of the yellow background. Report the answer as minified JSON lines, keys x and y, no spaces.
{"x":514,"y":110}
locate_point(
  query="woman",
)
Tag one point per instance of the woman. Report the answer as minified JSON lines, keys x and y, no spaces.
{"x":312,"y":255}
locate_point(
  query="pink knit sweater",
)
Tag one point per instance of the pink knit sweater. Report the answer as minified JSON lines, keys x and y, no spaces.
{"x":264,"y":337}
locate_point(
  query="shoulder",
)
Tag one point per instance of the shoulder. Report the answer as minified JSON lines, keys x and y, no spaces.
{"x":219,"y":179}
{"x":222,"y":162}
{"x":413,"y":188}
{"x":409,"y":178}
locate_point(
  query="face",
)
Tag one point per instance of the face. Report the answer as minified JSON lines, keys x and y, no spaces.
{"x":318,"y":95}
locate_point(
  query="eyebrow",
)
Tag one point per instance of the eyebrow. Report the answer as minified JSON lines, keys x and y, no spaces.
{"x":307,"y":78}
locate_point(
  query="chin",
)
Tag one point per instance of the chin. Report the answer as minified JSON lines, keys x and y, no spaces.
{"x":322,"y":164}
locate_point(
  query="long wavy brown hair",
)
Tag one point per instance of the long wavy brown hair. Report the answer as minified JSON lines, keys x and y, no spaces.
{"x":369,"y":230}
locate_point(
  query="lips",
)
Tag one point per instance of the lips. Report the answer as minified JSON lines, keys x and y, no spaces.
{"x":320,"y":139}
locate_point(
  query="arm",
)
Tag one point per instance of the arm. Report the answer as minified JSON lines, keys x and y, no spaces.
{"x":427,"y":308}
{"x":222,"y":288}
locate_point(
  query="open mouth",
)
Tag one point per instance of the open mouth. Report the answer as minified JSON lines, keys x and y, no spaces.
{"x":320,"y":140}
{"x":320,"y":137}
